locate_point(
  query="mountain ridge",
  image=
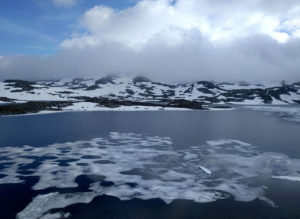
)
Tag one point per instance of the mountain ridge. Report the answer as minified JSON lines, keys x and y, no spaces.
{"x":115,"y":91}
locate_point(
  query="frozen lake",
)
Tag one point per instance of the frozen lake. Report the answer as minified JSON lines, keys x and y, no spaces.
{"x":237,"y":163}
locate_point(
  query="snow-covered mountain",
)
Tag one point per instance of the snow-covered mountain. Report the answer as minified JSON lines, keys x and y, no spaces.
{"x":82,"y":92}
{"x":142,"y":89}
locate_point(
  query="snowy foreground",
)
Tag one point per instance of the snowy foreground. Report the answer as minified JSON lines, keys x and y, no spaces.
{"x":139,"y":93}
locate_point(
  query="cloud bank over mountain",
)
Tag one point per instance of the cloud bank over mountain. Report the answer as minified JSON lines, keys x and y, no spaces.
{"x":176,"y":41}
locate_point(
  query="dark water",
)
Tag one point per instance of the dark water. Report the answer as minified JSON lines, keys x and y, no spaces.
{"x":185,"y":128}
{"x":267,"y":133}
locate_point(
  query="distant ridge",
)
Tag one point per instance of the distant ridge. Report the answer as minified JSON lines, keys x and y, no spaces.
{"x":142,"y":88}
{"x":116,"y":91}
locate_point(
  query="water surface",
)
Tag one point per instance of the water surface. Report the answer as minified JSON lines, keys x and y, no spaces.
{"x":148,"y":164}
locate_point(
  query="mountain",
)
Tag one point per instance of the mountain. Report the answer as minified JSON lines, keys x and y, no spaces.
{"x":115,"y":92}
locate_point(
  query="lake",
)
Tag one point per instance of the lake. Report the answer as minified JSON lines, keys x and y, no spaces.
{"x":241,"y":163}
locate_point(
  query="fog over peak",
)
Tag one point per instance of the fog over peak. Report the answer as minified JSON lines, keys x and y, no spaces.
{"x":176,"y":41}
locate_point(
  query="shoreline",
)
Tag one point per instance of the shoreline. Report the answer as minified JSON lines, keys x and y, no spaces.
{"x":119,"y":109}
{"x":51,"y":107}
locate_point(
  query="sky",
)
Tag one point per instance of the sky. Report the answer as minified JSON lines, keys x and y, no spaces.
{"x":167,"y":40}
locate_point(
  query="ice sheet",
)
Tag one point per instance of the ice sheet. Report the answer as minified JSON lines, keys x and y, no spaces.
{"x":145,"y":167}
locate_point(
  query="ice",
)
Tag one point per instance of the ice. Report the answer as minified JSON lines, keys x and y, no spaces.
{"x":145,"y":167}
{"x":291,"y":178}
{"x":43,"y":203}
{"x":205,"y":170}
{"x":56,"y":216}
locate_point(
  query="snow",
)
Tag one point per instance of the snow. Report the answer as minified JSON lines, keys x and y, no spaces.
{"x":142,"y":108}
{"x":43,"y":112}
{"x":42,"y":94}
{"x":238,"y":86}
{"x":81,"y":106}
{"x":69,"y":89}
{"x":221,"y":109}
{"x":277,"y":102}
{"x":289,"y":98}
{"x":255,"y":101}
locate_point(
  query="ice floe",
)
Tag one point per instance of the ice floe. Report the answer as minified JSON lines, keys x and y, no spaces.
{"x":205,"y":170}
{"x":291,"y":178}
{"x":43,"y":203}
{"x":144,"y":167}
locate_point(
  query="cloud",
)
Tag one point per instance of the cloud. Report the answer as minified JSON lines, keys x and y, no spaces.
{"x":178,"y":40}
{"x":217,"y":20}
{"x":257,"y":58}
{"x":63,"y":3}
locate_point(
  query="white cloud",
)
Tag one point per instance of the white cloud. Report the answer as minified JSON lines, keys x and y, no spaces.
{"x":63,"y":3}
{"x":178,"y":40}
{"x":216,"y":21}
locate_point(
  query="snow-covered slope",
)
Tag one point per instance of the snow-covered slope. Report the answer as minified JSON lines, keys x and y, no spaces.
{"x":144,"y":90}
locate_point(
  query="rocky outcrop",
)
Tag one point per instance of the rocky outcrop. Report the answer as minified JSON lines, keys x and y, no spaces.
{"x":32,"y":107}
{"x":20,"y":85}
